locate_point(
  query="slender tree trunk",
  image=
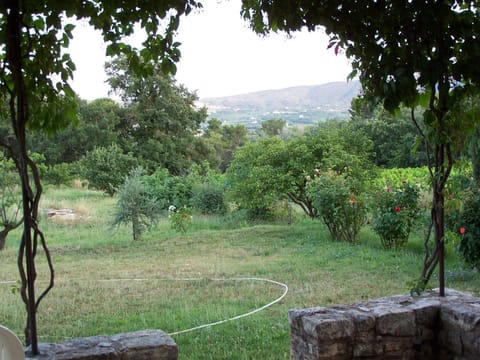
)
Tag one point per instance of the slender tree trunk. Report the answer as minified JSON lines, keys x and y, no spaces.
{"x":439,"y":216}
{"x":19,"y":111}
{"x":136,"y":229}
{"x":8,"y":226}
{"x":3,"y":238}
{"x":439,"y":172}
{"x":19,"y":114}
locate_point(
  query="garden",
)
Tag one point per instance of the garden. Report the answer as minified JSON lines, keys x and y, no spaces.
{"x":203,"y":262}
{"x":176,"y":220}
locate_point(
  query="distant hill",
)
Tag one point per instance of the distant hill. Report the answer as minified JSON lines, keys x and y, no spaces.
{"x":300,"y":105}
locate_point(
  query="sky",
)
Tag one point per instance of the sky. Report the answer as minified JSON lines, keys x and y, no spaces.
{"x":221,"y":56}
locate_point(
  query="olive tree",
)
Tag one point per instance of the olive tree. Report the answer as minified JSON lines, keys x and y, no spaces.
{"x":135,"y":205}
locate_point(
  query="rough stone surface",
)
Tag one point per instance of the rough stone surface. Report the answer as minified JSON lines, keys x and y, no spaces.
{"x":400,"y":327}
{"x":139,"y":345}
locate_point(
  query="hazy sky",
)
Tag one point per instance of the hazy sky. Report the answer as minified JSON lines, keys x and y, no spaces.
{"x":221,"y":56}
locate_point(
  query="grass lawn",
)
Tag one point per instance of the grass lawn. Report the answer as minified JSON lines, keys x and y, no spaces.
{"x":106,"y":283}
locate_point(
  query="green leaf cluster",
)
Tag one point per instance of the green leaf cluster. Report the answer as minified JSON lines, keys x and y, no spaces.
{"x":161,"y":121}
{"x":180,"y":218}
{"x":135,"y":205}
{"x":200,"y":189}
{"x":106,"y":168}
{"x":273,"y":169}
{"x":10,"y":199}
{"x":339,"y":203}
{"x":468,"y":219}
{"x":394,"y":212}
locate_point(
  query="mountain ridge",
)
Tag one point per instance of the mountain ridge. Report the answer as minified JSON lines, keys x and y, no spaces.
{"x":297,"y":104}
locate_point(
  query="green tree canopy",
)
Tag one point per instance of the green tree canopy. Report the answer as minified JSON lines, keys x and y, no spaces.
{"x":97,"y":126}
{"x":222,"y":140}
{"x":106,"y":168}
{"x":273,"y":127}
{"x":161,"y":118}
{"x":396,"y":140}
{"x":404,"y":53}
{"x":271,"y":169}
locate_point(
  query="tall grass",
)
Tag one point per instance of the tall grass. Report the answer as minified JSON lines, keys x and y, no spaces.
{"x":95,"y":266}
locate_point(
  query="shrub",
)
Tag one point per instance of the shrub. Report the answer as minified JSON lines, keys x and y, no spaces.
{"x":180,"y":219}
{"x":135,"y":205}
{"x":395,"y":177}
{"x":59,"y":174}
{"x":170,"y":190}
{"x":467,"y":225}
{"x":337,"y":200}
{"x":394,"y":212}
{"x":106,"y":168}
{"x":209,"y":198}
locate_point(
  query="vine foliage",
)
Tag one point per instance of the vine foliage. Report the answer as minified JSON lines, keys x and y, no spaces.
{"x":35,"y":70}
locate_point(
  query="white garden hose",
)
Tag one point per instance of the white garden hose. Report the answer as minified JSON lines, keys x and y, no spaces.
{"x":237,"y":317}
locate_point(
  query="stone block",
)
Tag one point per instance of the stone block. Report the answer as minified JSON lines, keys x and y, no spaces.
{"x":461,"y":316}
{"x":329,"y":326}
{"x":364,"y":320}
{"x":139,"y":345}
{"x":426,"y":311}
{"x":366,"y":346}
{"x":424,"y":336}
{"x":340,"y":350}
{"x":397,"y":346}
{"x":395,"y":320}
{"x":471,"y":344}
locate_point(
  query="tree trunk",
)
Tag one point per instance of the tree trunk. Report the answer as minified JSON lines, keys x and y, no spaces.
{"x":439,"y":172}
{"x":136,"y":229}
{"x":3,"y":238}
{"x":304,"y":203}
{"x":7,"y":227}
{"x":19,"y":114}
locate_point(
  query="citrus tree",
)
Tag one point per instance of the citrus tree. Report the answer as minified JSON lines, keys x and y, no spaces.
{"x":271,"y":169}
{"x":420,"y":52}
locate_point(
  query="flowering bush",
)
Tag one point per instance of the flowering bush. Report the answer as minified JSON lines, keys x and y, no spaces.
{"x":336,"y":198}
{"x":180,"y":219}
{"x":394,"y":213}
{"x":467,"y":226}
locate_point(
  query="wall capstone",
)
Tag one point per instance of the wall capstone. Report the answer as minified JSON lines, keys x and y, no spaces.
{"x":139,"y":345}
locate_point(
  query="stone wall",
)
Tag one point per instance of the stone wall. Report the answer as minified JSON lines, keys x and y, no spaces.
{"x":401,"y":327}
{"x":139,"y":345}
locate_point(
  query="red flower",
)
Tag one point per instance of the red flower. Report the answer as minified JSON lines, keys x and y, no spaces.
{"x":462,"y":230}
{"x":397,"y":209}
